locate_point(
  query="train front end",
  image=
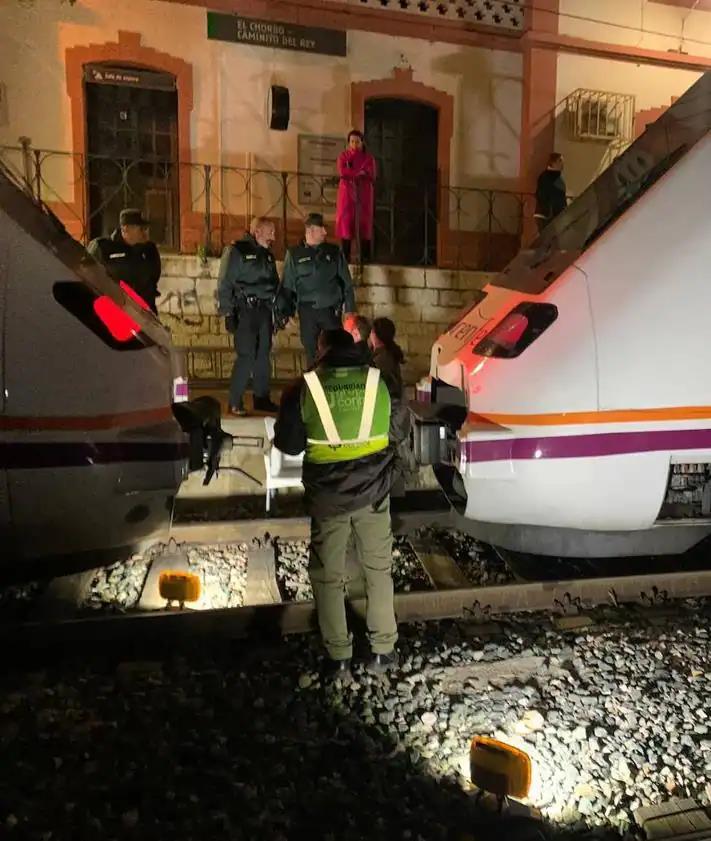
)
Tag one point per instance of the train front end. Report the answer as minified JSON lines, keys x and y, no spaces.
{"x":96,"y":432}
{"x":503,"y":381}
{"x":569,"y":406}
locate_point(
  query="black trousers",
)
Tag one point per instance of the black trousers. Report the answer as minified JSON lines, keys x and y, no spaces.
{"x":253,"y":343}
{"x":312,"y":321}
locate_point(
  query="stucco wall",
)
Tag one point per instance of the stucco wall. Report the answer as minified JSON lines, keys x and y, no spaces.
{"x":651,"y":86}
{"x":228,"y":122}
{"x":639,"y":23}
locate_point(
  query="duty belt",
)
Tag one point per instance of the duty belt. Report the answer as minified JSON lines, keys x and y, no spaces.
{"x":252,"y":301}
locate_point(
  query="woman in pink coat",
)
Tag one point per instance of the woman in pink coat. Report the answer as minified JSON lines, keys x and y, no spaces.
{"x":354,"y":207}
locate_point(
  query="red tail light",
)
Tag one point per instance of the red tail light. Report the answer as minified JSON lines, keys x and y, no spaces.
{"x":508,"y":333}
{"x":517,"y":330}
{"x":133,"y":295}
{"x":119,"y":323}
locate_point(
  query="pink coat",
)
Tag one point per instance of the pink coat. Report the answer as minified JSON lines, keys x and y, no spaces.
{"x":357,"y":181}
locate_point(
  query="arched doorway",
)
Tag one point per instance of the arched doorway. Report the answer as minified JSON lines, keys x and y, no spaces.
{"x":402,"y":135}
{"x":132,"y":148}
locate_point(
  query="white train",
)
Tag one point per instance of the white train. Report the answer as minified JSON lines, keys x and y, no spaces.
{"x":571,"y":405}
{"x":96,"y":433}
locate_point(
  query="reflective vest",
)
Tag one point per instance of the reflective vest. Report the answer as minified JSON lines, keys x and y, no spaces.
{"x":346,"y":412}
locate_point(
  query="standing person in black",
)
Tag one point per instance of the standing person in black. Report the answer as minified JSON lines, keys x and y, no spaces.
{"x":550,"y":192}
{"x":129,"y":256}
{"x":248,"y":284}
{"x":387,"y":357}
{"x":318,"y":282}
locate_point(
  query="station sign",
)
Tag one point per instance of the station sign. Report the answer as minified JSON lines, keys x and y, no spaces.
{"x":102,"y":74}
{"x":269,"y":33}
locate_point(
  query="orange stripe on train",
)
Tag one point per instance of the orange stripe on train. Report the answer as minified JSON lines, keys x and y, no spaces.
{"x":606,"y":416}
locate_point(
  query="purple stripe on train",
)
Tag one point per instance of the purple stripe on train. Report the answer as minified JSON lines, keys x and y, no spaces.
{"x":586,"y":446}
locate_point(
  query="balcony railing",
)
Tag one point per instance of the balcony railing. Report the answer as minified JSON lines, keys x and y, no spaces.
{"x":506,"y":15}
{"x":202,"y":207}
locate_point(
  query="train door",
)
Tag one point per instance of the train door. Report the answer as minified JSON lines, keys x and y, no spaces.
{"x":402,"y":136}
{"x":132,"y":149}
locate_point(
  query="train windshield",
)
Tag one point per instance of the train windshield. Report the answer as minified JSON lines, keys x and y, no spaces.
{"x":653,"y":153}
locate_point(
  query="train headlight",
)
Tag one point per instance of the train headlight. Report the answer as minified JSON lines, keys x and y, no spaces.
{"x":499,"y":768}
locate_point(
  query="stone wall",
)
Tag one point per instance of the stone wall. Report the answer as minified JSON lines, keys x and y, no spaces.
{"x":421,"y":302}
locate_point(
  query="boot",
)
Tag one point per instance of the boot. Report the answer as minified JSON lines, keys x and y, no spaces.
{"x":264,"y":404}
{"x":336,"y":670}
{"x":381,"y":663}
{"x":238,"y":410}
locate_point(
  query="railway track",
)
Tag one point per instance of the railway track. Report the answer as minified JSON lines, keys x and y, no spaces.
{"x":268,"y":613}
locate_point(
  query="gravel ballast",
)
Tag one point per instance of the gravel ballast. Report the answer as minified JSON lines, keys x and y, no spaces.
{"x":292,"y":560}
{"x":222,"y":570}
{"x":478,"y":561}
{"x":249,"y":743}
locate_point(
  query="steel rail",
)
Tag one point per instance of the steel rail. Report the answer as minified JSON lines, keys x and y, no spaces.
{"x":287,"y":528}
{"x":299,"y":617}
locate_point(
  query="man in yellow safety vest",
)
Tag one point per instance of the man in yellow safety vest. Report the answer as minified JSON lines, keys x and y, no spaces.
{"x":339,"y":416}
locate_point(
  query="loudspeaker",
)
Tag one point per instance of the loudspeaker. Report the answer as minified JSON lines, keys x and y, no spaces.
{"x":278,"y":108}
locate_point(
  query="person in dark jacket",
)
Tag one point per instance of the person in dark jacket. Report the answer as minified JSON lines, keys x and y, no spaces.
{"x":387,"y":356}
{"x":129,"y":256}
{"x":318,"y":283}
{"x":247,"y":288}
{"x":339,"y":415}
{"x":550,"y":192}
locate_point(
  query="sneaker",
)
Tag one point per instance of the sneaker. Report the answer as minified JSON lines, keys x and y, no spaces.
{"x":238,"y":410}
{"x":336,"y":670}
{"x":264,"y":404}
{"x":381,"y":663}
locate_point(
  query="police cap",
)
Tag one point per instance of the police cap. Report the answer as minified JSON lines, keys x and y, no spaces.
{"x":132,"y":216}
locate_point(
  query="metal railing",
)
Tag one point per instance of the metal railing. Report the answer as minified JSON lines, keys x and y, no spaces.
{"x":199,"y":208}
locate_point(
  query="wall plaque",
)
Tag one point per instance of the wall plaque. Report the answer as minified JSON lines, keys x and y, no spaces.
{"x":318,"y":175}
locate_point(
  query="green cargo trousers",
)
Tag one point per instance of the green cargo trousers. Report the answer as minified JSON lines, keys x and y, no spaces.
{"x":327,"y":570}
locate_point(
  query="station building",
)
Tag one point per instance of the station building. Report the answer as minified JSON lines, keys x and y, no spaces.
{"x":205,"y":115}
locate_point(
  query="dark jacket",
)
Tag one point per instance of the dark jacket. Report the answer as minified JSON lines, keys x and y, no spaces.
{"x":388,"y":361}
{"x":341,"y":487}
{"x":137,"y":265}
{"x":246,"y":269}
{"x":318,"y":276}
{"x":550,"y":194}
{"x":363,"y":349}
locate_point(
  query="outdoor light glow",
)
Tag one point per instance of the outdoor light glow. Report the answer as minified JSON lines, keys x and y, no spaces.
{"x":175,"y":586}
{"x":500,"y":768}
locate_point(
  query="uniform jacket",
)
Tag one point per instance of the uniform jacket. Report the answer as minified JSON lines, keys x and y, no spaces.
{"x":136,"y":265}
{"x":318,"y":276}
{"x":356,"y":169}
{"x":338,"y":487}
{"x":550,"y":194}
{"x":246,"y":268}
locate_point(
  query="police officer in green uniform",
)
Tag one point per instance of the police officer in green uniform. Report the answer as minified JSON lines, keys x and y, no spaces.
{"x":248,"y":284}
{"x":129,"y":256}
{"x":339,"y":414}
{"x":317,"y":279}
